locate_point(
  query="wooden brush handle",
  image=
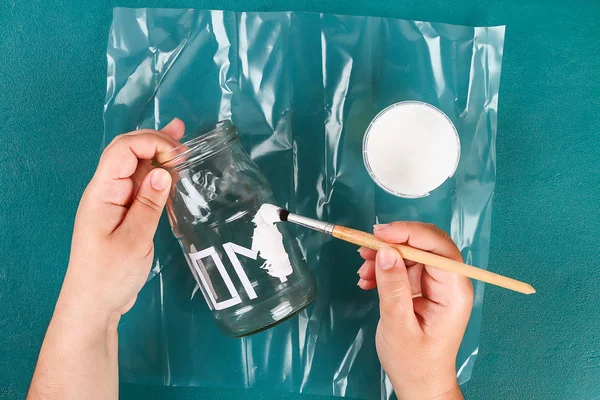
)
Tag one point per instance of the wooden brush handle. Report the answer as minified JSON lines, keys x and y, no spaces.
{"x":433,"y":260}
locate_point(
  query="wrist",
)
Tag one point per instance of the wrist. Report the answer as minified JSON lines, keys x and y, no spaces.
{"x":74,"y":332}
{"x":454,"y":393}
{"x":427,"y":386}
{"x":83,"y":317}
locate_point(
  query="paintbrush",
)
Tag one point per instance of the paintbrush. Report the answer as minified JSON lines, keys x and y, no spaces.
{"x":409,"y":253}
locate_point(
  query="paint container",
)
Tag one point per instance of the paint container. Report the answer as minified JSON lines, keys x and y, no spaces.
{"x":411,"y":148}
{"x":251,"y":272}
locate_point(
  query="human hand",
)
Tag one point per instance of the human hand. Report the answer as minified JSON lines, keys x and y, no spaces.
{"x":424,"y":311}
{"x":112,"y":247}
{"x":111,"y":254}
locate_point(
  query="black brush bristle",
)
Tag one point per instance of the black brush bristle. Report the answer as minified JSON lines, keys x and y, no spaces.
{"x":283,"y":214}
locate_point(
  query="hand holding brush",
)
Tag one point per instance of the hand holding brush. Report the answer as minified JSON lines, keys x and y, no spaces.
{"x":424,"y":311}
{"x":426,"y":257}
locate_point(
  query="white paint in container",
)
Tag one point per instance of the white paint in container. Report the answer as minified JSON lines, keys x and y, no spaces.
{"x":411,"y":148}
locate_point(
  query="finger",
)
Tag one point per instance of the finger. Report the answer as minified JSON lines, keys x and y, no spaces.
{"x":437,"y":285}
{"x":161,"y":133}
{"x":419,"y":235}
{"x":435,"y":318}
{"x":367,"y":254}
{"x":422,"y":236}
{"x":175,"y":129}
{"x":429,"y":313}
{"x":366,"y":284}
{"x":414,"y":277}
{"x":367,"y":273}
{"x":367,"y":270}
{"x":143,"y":131}
{"x":120,"y":159}
{"x":143,"y":168}
{"x":395,"y":299}
{"x":456,"y":293}
{"x":141,"y":221}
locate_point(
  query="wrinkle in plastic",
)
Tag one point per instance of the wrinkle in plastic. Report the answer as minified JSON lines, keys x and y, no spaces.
{"x":301,"y":88}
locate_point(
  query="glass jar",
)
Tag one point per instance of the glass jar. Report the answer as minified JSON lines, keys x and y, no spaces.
{"x":214,"y":214}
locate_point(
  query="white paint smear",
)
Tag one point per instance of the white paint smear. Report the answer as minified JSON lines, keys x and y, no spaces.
{"x":411,"y":148}
{"x":268,"y":242}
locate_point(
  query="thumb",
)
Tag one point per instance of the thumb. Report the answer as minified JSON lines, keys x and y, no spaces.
{"x":141,"y":220}
{"x":395,"y":298}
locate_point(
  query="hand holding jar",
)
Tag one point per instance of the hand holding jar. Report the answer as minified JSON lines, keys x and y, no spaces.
{"x":111,"y":255}
{"x":112,"y":247}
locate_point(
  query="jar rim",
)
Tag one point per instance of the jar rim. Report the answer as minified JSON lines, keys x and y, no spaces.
{"x":198,"y":146}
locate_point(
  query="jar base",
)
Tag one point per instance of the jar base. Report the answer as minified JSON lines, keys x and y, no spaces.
{"x":229,"y":332}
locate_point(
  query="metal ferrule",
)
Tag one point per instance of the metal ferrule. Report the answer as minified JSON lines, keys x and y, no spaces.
{"x":325,"y":227}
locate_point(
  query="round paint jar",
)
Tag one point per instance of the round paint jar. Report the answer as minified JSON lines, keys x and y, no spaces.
{"x":251,"y":272}
{"x":411,"y":148}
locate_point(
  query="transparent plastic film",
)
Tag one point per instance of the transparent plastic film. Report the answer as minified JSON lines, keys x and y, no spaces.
{"x":302,"y":90}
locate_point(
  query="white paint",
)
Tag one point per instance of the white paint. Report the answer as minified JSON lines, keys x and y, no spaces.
{"x":199,"y":267}
{"x":268,"y":242}
{"x":269,"y":213}
{"x":204,"y":283}
{"x":411,"y":148}
{"x":232,"y":249}
{"x":211,"y":252}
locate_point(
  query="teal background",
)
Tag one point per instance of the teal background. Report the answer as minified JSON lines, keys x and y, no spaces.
{"x":546,"y":211}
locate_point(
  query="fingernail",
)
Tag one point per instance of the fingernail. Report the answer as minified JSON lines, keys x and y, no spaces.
{"x":361,"y":269}
{"x":160,"y":179}
{"x":360,"y":282}
{"x":173,"y":120}
{"x":360,"y":249}
{"x":386,"y":258}
{"x":380,"y":227}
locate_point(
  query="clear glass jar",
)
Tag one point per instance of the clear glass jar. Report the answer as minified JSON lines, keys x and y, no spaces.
{"x":216,"y":194}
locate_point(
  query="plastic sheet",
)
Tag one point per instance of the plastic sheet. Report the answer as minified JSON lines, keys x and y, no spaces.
{"x":301,"y":88}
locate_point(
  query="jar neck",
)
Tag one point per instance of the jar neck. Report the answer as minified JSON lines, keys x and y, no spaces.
{"x":199,"y":146}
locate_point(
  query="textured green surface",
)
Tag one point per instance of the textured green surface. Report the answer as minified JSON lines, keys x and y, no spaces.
{"x":546,"y":211}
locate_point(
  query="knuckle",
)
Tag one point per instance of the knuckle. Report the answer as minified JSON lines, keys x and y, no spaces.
{"x":413,"y":224}
{"x":114,"y":140}
{"x":122,"y":138}
{"x":116,"y":192}
{"x":396,"y":291}
{"x":443,"y":236}
{"x":401,"y":225}
{"x":116,"y":143}
{"x":393,"y":290}
{"x":149,"y":202}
